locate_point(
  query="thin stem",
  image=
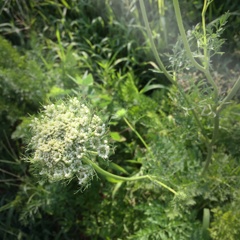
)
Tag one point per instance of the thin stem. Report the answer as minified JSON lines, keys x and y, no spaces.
{"x":9,"y":173}
{"x":210,"y":147}
{"x":151,"y":178}
{"x":231,"y":94}
{"x":216,"y":129}
{"x":125,"y":179}
{"x":208,"y":159}
{"x":205,"y":6}
{"x":206,"y":56}
{"x":108,"y":174}
{"x":211,"y":81}
{"x":139,"y":136}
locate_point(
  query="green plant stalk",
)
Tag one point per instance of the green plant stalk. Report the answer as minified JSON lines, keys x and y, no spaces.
{"x":151,"y":178}
{"x":9,"y":173}
{"x":216,"y":128}
{"x":210,"y":147}
{"x":206,"y":55}
{"x":210,"y":79}
{"x":231,"y":94}
{"x":164,"y":70}
{"x":161,"y":7}
{"x":139,"y":136}
{"x":125,"y":179}
{"x":205,"y":63}
{"x":161,"y":10}
{"x":206,"y":223}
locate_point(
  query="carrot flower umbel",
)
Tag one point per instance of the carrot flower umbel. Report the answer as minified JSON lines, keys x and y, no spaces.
{"x":63,"y":135}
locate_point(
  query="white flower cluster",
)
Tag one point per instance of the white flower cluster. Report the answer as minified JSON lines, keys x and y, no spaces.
{"x":63,"y":135}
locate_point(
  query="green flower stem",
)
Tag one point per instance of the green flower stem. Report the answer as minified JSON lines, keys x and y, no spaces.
{"x":206,"y":223}
{"x":151,"y":178}
{"x":211,"y":81}
{"x":231,"y":94}
{"x":205,"y":6}
{"x":139,"y":136}
{"x":125,"y":179}
{"x":216,"y":129}
{"x":206,"y":55}
{"x":208,"y":159}
{"x":210,"y":147}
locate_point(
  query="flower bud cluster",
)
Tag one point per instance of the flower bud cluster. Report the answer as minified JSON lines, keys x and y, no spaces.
{"x":63,"y":135}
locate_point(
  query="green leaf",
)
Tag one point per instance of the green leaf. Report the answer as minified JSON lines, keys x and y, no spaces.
{"x":151,"y":87}
{"x":65,"y":4}
{"x":56,"y":91}
{"x":117,"y":137}
{"x":138,"y":161}
{"x":116,"y":188}
{"x":118,"y":168}
{"x":58,"y":36}
{"x":121,"y":113}
{"x":86,"y":80}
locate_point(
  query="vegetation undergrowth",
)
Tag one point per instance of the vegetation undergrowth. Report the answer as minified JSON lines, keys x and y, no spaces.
{"x":115,"y":127}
